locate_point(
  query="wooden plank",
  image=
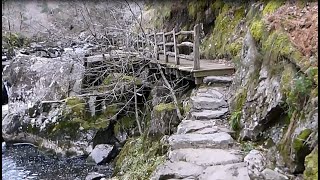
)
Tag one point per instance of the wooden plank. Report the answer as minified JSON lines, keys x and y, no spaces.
{"x":213,"y":72}
{"x":196,"y":59}
{"x":168,"y":33}
{"x":169,"y":53}
{"x":169,"y":44}
{"x":183,"y":56}
{"x":175,"y":49}
{"x":188,"y":44}
{"x":184,"y":32}
{"x":160,"y":43}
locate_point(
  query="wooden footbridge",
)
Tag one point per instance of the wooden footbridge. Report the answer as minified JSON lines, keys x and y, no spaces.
{"x":166,"y":52}
{"x":163,"y":48}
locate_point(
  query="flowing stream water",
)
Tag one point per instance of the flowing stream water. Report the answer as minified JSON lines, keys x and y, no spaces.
{"x":27,"y":162}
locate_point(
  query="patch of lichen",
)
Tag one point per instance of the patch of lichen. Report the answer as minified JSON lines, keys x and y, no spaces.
{"x":219,"y":43}
{"x":311,"y":165}
{"x":139,"y":157}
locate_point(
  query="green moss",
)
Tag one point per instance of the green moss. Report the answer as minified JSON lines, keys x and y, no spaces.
{"x":139,"y":157}
{"x":218,"y":43}
{"x":164,"y":107}
{"x":311,"y":165}
{"x":272,"y":6}
{"x":257,"y":27}
{"x":298,"y":143}
{"x":107,"y":80}
{"x":76,"y":105}
{"x":237,"y":110}
{"x":196,"y":8}
{"x":124,"y":124}
{"x":241,"y":99}
{"x":235,"y":120}
{"x":235,"y":48}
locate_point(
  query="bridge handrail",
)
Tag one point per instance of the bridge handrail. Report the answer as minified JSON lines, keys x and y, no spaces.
{"x":141,"y":41}
{"x":164,"y":43}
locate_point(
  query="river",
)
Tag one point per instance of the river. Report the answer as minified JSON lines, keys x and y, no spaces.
{"x":27,"y":162}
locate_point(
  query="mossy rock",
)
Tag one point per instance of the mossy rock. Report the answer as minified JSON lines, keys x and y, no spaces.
{"x":164,"y":107}
{"x":299,"y":141}
{"x":257,"y":29}
{"x":311,"y":165}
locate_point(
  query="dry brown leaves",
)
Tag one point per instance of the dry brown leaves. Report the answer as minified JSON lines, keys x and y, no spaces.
{"x":301,"y":24}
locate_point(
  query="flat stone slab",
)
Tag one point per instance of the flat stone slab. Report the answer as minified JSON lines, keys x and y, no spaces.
{"x":217,"y":79}
{"x":199,"y":102}
{"x":209,"y":114}
{"x":236,"y":171}
{"x":205,"y":156}
{"x":210,"y":93}
{"x":200,"y":127}
{"x":221,"y":140}
{"x":180,"y":169}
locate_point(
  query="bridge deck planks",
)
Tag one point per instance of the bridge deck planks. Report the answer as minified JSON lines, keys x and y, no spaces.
{"x":207,"y":67}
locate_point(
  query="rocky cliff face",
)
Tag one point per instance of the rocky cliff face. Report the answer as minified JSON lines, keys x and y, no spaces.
{"x":273,"y":98}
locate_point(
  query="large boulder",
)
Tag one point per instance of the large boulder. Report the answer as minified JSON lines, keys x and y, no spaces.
{"x":39,"y":110}
{"x":100,"y":153}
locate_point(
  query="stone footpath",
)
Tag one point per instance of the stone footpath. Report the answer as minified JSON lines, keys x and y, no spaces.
{"x":202,"y":148}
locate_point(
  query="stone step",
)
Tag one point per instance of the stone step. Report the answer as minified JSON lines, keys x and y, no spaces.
{"x":210,"y":103}
{"x":177,"y":170}
{"x":221,"y":140}
{"x":200,"y":127}
{"x":237,"y":171}
{"x":217,"y":79}
{"x":209,"y":114}
{"x":205,"y":156}
{"x":210,"y":93}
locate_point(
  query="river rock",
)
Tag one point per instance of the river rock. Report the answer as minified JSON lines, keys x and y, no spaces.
{"x":270,"y":174}
{"x":256,"y":163}
{"x":100,"y":153}
{"x":94,"y":176}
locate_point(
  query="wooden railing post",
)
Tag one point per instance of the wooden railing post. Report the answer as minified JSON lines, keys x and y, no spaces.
{"x":164,"y":47}
{"x":196,"y":43}
{"x":175,"y":49}
{"x":143,"y":39}
{"x":155,"y":46}
{"x":138,"y":42}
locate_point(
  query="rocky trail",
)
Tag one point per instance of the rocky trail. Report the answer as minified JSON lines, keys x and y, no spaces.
{"x":203,"y":148}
